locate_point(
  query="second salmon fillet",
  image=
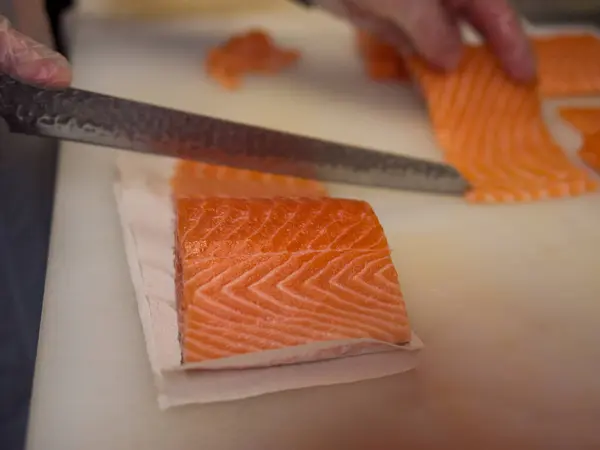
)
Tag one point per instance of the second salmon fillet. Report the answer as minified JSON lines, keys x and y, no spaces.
{"x":493,"y":131}
{"x":263,"y":274}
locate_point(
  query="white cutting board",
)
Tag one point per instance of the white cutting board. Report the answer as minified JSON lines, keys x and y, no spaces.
{"x":506,"y":298}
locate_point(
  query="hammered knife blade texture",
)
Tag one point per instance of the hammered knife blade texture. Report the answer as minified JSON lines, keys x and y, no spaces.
{"x":88,"y":117}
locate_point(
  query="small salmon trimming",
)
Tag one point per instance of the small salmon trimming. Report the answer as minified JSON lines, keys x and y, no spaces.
{"x":586,"y":121}
{"x":381,"y":60}
{"x":253,"y":52}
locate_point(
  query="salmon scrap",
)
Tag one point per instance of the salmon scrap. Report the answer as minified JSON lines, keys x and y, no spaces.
{"x":251,"y":52}
{"x":587,"y":121}
{"x":568,"y":65}
{"x":264,"y":274}
{"x":194,"y":179}
{"x":493,"y":132}
{"x":381,"y":60}
{"x":590,"y":151}
{"x":584,"y":119}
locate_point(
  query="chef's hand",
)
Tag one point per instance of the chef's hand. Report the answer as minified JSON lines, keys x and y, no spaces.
{"x":29,"y":61}
{"x":429,"y":28}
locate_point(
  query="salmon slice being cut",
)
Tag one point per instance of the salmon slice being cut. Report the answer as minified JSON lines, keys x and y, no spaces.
{"x":381,"y":60}
{"x":264,"y":274}
{"x":251,"y":52}
{"x":568,"y":65}
{"x":587,"y":121}
{"x":493,"y":132}
{"x":193,"y":179}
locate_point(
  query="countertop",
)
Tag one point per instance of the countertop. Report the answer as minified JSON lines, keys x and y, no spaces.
{"x":506,"y":298}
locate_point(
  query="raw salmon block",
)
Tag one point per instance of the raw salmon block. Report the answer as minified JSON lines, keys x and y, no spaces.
{"x":264,"y":274}
{"x":251,"y":52}
{"x":193,"y":179}
{"x":492,"y":130}
{"x":568,"y":65}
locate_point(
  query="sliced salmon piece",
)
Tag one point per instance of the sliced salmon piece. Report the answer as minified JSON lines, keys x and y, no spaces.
{"x":568,"y":65}
{"x":493,"y":132}
{"x":587,"y":121}
{"x":382,"y":61}
{"x":253,"y":52}
{"x":262,"y":274}
{"x":193,"y":179}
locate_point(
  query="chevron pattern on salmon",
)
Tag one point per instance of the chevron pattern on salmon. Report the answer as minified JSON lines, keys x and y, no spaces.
{"x":261,"y":274}
{"x":493,"y":131}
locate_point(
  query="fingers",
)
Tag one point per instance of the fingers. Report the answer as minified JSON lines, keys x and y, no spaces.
{"x":431,"y":29}
{"x":23,"y":58}
{"x":499,"y":25}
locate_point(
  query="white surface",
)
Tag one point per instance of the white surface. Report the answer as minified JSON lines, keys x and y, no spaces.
{"x":162,"y":8}
{"x":147,"y":215}
{"x":506,"y":298}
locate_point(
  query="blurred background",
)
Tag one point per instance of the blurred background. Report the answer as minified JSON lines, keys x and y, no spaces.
{"x":550,"y":11}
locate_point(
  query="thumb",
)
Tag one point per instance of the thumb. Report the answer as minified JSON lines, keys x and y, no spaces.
{"x":29,"y":61}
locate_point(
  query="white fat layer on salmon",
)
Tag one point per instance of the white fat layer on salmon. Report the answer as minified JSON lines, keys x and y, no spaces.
{"x":147,"y":217}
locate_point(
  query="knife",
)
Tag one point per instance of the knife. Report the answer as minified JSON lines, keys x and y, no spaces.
{"x":83,"y":116}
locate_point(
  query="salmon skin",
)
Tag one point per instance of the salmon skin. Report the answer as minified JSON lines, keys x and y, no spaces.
{"x":492,"y":130}
{"x":262,"y":274}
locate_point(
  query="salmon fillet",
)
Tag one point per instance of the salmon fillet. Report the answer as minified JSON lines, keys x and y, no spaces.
{"x":262,"y":274}
{"x":252,"y":52}
{"x":568,"y":65}
{"x":493,"y":132}
{"x":587,"y":121}
{"x":381,"y":60}
{"x":193,"y":179}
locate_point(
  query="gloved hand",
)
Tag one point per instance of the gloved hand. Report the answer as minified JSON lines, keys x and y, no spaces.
{"x":29,"y":61}
{"x":429,"y":28}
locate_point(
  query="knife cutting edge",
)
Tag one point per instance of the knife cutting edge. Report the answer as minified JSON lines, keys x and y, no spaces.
{"x":83,"y":116}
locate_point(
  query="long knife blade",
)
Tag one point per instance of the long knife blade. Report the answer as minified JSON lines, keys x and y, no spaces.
{"x":88,"y":117}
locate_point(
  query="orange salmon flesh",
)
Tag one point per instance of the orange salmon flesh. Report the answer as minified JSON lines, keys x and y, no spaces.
{"x":587,"y":121}
{"x":194,"y":179}
{"x":253,"y":52}
{"x":492,"y":130}
{"x":568,"y":65}
{"x":261,"y":274}
{"x":382,"y":61}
